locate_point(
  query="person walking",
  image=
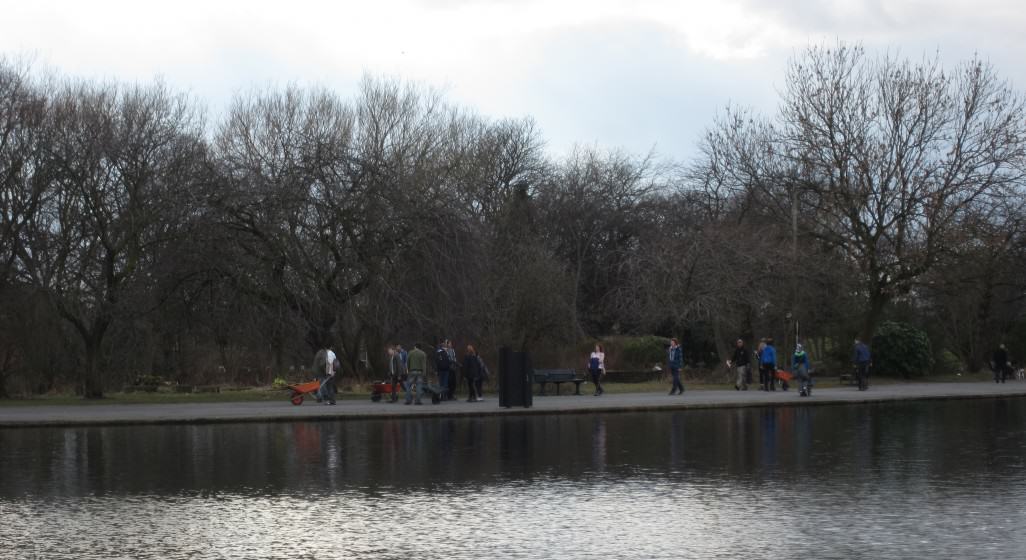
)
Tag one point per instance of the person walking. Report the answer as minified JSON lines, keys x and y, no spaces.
{"x":326,"y":391}
{"x":417,"y":374}
{"x":675,"y":361}
{"x":396,"y":371}
{"x":483,"y":375}
{"x":999,"y":363}
{"x":740,"y":363}
{"x":768,"y":366}
{"x":862,"y":360}
{"x":454,"y":367}
{"x":800,"y":367}
{"x":472,"y":372}
{"x":597,"y":366}
{"x":443,"y":367}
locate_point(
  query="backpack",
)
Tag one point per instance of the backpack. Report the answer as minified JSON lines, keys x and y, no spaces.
{"x":442,"y":362}
{"x":593,"y":363}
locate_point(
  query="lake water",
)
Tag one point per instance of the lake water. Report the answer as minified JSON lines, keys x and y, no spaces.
{"x":917,"y":480}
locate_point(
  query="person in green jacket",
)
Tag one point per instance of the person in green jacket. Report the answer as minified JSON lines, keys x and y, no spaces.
{"x":417,"y":368}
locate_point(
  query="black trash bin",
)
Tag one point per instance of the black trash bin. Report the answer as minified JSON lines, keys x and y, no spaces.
{"x":514,"y":379}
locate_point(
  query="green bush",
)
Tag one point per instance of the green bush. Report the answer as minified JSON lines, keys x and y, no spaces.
{"x":279,"y":383}
{"x":643,"y":351}
{"x":901,"y":349}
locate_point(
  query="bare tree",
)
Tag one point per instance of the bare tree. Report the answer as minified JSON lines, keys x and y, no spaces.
{"x":116,"y":164}
{"x":881,"y":156}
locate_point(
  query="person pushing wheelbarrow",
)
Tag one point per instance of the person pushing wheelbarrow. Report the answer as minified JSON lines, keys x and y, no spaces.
{"x":326,"y":368}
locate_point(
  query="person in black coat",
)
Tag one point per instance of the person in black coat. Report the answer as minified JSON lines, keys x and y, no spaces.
{"x":472,"y":373}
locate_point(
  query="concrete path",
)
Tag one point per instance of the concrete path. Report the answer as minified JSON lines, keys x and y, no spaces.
{"x":283,"y":411}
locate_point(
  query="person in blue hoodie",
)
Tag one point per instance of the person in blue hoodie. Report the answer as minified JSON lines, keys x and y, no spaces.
{"x":675,"y":360}
{"x":862,"y":359}
{"x":768,"y":366}
{"x":800,"y":367}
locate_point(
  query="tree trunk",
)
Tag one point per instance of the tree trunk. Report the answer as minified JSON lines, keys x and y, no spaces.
{"x":877,"y":301}
{"x":92,"y":383}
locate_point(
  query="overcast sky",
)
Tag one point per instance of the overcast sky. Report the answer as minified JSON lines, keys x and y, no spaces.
{"x":636,"y":75}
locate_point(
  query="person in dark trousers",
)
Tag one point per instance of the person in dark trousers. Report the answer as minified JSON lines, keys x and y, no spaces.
{"x":417,"y":361}
{"x":443,"y":366}
{"x":453,"y":370}
{"x":999,"y":363}
{"x":482,"y":377}
{"x":396,"y":371}
{"x":740,"y":363}
{"x":596,"y":366}
{"x":472,"y":373}
{"x":862,"y":359}
{"x":768,"y":366}
{"x":675,"y":361}
{"x":800,"y":367}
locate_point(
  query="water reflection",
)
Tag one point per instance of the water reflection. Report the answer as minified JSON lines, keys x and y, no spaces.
{"x":897,"y":480}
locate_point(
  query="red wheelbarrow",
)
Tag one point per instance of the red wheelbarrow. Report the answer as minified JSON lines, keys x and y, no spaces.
{"x":298,"y":390}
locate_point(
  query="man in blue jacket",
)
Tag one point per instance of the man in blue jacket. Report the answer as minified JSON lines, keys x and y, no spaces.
{"x":862,"y":359}
{"x":768,"y":365}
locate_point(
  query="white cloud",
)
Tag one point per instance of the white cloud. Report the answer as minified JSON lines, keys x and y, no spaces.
{"x":599,"y":70}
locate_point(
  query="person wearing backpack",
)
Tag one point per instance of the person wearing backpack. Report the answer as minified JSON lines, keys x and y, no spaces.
{"x":597,"y":366}
{"x":443,"y":366}
{"x":675,"y":360}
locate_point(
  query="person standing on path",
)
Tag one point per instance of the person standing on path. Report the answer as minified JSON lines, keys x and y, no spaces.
{"x":453,"y":370}
{"x":472,"y":373}
{"x":443,"y":367}
{"x":862,"y":359}
{"x":800,"y":366}
{"x":740,"y":363}
{"x":768,"y":366}
{"x":326,"y":392}
{"x":675,"y":361}
{"x":396,"y":371}
{"x":999,"y":362}
{"x":597,"y":366}
{"x":417,"y":373}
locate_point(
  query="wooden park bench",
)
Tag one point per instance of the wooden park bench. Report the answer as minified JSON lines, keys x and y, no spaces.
{"x":558,"y":377}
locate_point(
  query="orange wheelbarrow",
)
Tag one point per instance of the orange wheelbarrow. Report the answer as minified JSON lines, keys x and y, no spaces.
{"x":298,"y":391}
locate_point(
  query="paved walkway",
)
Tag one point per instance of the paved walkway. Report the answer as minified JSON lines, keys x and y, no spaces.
{"x":283,"y":411}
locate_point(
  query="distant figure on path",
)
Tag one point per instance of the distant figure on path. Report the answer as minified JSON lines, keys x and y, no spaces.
{"x":326,"y":392}
{"x":999,"y":363}
{"x":862,"y":359}
{"x":596,"y":367}
{"x":454,"y":367}
{"x":472,"y":373}
{"x":740,"y":363}
{"x":768,"y":366}
{"x":675,"y":361}
{"x":800,"y":367}
{"x":417,"y":373}
{"x":396,"y":371}
{"x":443,"y":367}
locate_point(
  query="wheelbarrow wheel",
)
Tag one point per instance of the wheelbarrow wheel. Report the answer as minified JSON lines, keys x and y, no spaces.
{"x":376,"y":397}
{"x":297,"y":399}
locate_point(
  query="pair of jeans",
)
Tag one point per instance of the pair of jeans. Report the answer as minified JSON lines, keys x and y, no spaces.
{"x":472,"y":393}
{"x":677,"y":385}
{"x":443,"y":383}
{"x":862,"y":371}
{"x":767,"y":376}
{"x":416,"y":379}
{"x":596,"y":378}
{"x":326,"y":391}
{"x":741,"y":379}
